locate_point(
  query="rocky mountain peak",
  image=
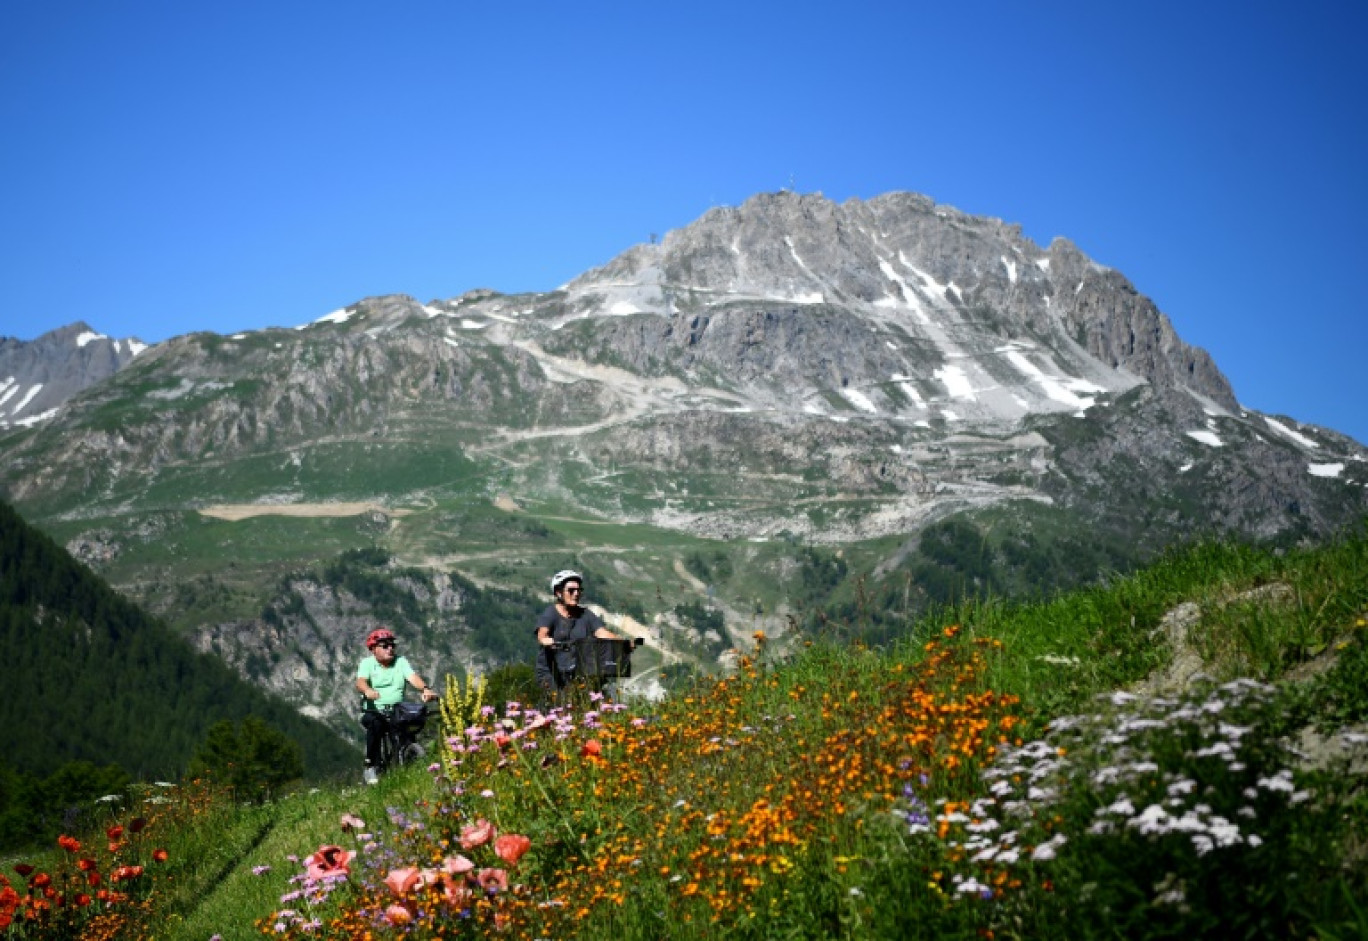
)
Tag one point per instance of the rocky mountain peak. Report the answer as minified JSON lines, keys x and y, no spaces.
{"x":38,"y":376}
{"x":900,"y":305}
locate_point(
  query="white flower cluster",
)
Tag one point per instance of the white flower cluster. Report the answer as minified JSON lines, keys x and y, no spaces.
{"x":1151,"y":767}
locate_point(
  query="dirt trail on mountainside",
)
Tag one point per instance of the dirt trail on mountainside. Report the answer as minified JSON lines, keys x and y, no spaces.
{"x":241,"y":511}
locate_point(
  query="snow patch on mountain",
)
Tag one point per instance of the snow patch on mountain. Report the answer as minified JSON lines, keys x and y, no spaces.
{"x":1325,"y":470}
{"x":1206,"y":437}
{"x":28,"y":397}
{"x":339,"y":316}
{"x":861,"y":401}
{"x":1295,"y":436}
{"x":956,"y":382}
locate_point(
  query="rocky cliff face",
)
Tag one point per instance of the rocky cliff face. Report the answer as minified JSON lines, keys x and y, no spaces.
{"x":307,"y":648}
{"x":866,"y":295}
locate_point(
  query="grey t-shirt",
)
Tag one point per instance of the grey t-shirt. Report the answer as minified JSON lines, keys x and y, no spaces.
{"x":580,"y":626}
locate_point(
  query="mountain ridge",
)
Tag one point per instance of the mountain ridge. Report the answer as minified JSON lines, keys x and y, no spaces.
{"x":37,"y":377}
{"x":803,"y":387}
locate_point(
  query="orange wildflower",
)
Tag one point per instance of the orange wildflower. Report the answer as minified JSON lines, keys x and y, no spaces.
{"x":511,"y":846}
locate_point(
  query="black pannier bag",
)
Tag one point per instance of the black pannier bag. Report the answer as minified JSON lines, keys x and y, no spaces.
{"x":596,"y":657}
{"x":408,"y":715}
{"x":613,"y":658}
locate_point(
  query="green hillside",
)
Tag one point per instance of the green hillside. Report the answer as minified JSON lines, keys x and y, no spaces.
{"x":93,"y":679}
{"x":1179,"y":753}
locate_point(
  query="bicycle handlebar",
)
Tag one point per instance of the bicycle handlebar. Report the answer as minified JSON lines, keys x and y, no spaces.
{"x":631,"y":642}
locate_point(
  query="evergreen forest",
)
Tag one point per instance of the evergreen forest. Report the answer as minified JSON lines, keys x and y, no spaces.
{"x":99,"y":693}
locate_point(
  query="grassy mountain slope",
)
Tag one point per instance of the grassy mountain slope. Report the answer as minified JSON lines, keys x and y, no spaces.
{"x":880,"y":793}
{"x":93,"y":678}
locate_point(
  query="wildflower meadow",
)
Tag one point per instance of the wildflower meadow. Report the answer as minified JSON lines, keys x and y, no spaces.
{"x":991,"y":775}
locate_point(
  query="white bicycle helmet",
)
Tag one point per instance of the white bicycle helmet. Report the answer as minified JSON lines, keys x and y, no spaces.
{"x":563,"y":576}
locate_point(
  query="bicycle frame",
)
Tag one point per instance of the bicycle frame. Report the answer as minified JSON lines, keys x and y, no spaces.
{"x":399,"y":744}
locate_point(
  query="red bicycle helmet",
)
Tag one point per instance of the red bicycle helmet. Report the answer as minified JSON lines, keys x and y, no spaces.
{"x":378,"y":635}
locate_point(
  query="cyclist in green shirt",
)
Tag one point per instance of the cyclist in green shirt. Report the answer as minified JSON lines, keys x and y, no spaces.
{"x":381,"y":679}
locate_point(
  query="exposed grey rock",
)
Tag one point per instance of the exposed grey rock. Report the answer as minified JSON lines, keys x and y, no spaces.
{"x":38,"y":377}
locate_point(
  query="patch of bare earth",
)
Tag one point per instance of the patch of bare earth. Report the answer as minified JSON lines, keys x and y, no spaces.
{"x":241,"y":511}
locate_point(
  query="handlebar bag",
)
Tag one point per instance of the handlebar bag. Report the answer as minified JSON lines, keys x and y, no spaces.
{"x":408,"y":714}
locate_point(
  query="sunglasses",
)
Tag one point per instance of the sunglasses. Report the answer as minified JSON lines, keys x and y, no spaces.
{"x":571,"y":590}
{"x":388,"y":644}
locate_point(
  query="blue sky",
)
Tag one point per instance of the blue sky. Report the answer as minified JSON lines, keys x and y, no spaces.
{"x":168,"y":167}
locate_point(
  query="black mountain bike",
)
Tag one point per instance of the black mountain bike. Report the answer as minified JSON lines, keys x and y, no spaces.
{"x":399,"y":744}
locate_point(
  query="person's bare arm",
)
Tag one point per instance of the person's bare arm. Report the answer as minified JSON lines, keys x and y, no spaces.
{"x":417,"y":683}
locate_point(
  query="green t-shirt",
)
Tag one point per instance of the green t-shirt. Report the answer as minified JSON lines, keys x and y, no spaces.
{"x":388,"y":681}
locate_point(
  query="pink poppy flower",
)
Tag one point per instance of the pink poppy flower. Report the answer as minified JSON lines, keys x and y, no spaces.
{"x":492,"y":880}
{"x":477,"y":834}
{"x":511,"y":846}
{"x":592,"y":748}
{"x":329,"y":862}
{"x":352,"y":822}
{"x":456,"y":892}
{"x":398,"y":915}
{"x":403,"y":881}
{"x":457,"y":865}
